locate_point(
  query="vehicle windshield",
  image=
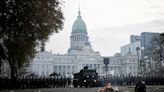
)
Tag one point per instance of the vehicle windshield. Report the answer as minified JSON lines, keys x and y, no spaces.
{"x":89,"y":73}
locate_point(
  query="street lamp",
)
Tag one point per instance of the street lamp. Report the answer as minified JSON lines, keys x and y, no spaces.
{"x":106,"y":62}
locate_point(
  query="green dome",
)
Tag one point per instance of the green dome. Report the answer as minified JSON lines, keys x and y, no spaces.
{"x":79,"y":25}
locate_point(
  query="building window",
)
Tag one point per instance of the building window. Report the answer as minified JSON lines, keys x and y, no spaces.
{"x":73,"y":39}
{"x":95,"y":66}
{"x":130,"y":67}
{"x":68,"y":67}
{"x":55,"y":67}
{"x":112,"y":68}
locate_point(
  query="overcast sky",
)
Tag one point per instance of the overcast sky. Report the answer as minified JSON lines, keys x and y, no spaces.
{"x":109,"y":23}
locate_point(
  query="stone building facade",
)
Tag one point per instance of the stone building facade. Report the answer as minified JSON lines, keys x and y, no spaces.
{"x":80,"y":54}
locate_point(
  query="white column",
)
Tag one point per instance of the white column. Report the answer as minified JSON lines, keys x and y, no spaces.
{"x":72,"y":69}
{"x":57,"y":68}
{"x":62,"y":70}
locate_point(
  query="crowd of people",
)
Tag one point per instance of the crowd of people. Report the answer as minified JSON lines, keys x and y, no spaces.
{"x":42,"y":82}
{"x":54,"y":82}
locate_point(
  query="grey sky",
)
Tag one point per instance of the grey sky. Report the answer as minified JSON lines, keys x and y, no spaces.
{"x":109,"y":23}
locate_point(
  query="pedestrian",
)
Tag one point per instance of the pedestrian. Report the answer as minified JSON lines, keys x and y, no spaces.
{"x":100,"y":90}
{"x":140,"y":87}
{"x":107,"y":88}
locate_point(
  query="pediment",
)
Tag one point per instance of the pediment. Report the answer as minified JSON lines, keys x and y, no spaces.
{"x":90,"y":59}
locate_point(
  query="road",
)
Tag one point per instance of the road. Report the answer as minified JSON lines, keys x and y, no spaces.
{"x":121,"y":88}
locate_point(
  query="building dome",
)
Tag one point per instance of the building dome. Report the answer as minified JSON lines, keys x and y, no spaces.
{"x":79,"y":25}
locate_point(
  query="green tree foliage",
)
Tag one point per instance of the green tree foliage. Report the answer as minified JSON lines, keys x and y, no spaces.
{"x":162,"y":45}
{"x":156,"y":51}
{"x":24,"y":23}
{"x":162,"y":53}
{"x":162,"y":38}
{"x":156,"y":43}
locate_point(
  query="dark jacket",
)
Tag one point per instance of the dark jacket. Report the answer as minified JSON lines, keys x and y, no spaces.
{"x":140,"y":87}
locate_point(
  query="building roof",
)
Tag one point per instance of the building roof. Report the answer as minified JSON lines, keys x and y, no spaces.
{"x":79,"y":25}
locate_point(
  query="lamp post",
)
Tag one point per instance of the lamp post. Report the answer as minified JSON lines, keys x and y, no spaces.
{"x":137,"y":49}
{"x":106,"y":62}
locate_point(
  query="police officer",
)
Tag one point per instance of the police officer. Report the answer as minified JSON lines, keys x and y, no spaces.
{"x":140,"y":87}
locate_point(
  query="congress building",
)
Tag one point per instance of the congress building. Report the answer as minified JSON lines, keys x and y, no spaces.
{"x":80,"y":54}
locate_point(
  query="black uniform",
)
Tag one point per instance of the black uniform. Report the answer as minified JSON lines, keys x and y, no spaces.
{"x":140,"y":87}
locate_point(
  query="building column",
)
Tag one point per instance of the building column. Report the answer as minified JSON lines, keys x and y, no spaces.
{"x":62,"y":70}
{"x":57,"y":69}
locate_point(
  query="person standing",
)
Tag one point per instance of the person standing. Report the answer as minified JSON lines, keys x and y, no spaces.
{"x":107,"y":88}
{"x":140,"y":87}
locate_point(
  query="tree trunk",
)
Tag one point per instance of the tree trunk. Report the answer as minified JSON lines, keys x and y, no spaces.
{"x":13,"y":73}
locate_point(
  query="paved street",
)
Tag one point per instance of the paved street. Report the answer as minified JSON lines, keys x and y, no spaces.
{"x":121,"y":88}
